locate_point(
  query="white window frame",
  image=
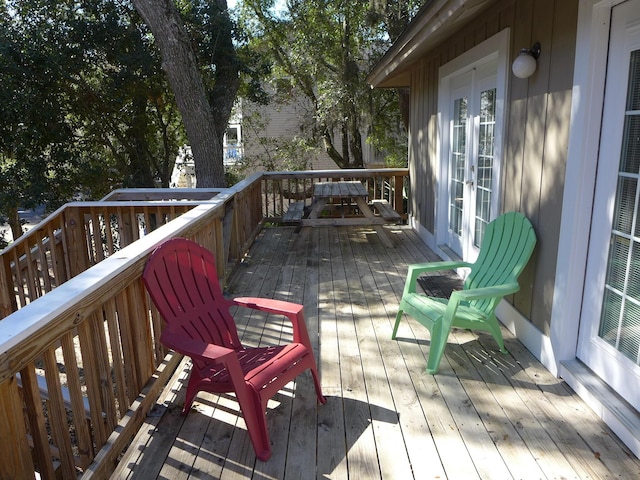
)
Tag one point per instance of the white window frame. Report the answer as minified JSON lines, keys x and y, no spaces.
{"x":592,"y":41}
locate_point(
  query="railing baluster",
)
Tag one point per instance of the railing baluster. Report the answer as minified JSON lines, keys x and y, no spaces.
{"x":37,"y":421}
{"x":58,"y":415}
{"x":92,"y":380}
{"x":17,"y":275}
{"x":76,"y":399}
{"x":16,"y":458}
{"x":42,"y":265}
{"x":34,"y":288}
{"x":58,"y":271}
{"x":124,"y":400}
{"x":139,"y":330}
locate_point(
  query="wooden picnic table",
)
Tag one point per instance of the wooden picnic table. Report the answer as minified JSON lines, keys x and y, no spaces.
{"x":345,"y":191}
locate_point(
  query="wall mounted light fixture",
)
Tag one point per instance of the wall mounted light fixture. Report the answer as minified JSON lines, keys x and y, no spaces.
{"x":525,"y":63}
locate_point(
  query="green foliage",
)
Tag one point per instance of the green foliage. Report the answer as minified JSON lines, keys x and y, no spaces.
{"x":121,"y":100}
{"x":387,"y":134}
{"x":36,"y":154}
{"x":324,"y":50}
{"x":233,"y":175}
{"x":85,"y":105}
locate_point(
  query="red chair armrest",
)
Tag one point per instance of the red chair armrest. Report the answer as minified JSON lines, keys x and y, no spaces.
{"x":293,"y":311}
{"x":269,"y":305}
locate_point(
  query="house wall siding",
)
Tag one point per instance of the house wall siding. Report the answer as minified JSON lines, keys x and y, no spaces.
{"x":536,"y":136}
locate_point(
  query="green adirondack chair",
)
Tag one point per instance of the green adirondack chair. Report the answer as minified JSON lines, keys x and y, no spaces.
{"x":505,"y":250}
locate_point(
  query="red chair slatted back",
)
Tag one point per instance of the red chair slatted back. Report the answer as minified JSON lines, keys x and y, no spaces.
{"x":181,"y":278}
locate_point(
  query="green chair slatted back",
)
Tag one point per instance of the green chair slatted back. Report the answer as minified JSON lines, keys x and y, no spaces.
{"x":505,"y":249}
{"x":507,"y":245}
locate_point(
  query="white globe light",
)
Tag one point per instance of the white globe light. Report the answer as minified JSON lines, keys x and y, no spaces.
{"x":524,"y":65}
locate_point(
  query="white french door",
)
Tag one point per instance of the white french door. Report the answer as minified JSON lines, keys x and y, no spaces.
{"x":609,"y":338}
{"x":471,"y":157}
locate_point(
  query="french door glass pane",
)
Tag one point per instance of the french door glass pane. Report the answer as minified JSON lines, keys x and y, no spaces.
{"x":625,"y":200}
{"x":610,"y":317}
{"x":629,"y":341}
{"x":484,"y":177}
{"x":617,"y":268}
{"x":620,"y":317}
{"x":631,"y":145}
{"x":633,"y":95}
{"x":458,"y":164}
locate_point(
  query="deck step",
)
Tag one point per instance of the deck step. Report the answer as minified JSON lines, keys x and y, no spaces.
{"x":294,"y":213}
{"x":386,"y":211}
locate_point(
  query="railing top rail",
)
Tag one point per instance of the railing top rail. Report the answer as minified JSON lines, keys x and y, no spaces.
{"x":141,"y":203}
{"x":162,"y":193}
{"x":25,"y":237}
{"x":353,"y":172}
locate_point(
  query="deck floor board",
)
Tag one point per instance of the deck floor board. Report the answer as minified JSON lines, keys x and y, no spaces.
{"x":485,"y":415}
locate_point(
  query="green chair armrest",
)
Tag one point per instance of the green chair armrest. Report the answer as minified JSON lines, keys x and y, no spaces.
{"x":459,"y":296}
{"x":493,"y":291}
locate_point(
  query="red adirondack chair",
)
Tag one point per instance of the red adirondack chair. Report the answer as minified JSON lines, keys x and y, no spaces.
{"x":182,"y":281}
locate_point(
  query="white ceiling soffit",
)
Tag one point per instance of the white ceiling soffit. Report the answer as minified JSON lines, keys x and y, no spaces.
{"x":435,"y":21}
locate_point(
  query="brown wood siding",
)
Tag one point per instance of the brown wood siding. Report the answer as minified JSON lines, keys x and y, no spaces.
{"x":423,"y":174}
{"x":536,"y":136}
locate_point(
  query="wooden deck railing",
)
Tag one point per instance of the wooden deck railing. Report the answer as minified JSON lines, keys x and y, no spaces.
{"x":281,"y":189}
{"x":80,"y":361}
{"x":79,"y":235}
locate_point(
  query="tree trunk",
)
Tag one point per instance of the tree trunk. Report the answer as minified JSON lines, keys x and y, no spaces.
{"x":181,"y":66}
{"x":141,"y":175}
{"x":227,"y":79}
{"x":15,"y":223}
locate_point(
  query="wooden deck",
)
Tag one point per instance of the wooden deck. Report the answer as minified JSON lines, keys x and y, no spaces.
{"x":485,"y":415}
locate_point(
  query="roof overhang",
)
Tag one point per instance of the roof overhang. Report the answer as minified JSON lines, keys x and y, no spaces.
{"x":436,"y":20}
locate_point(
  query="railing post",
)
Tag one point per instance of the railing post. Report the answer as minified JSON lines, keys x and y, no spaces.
{"x":16,"y":457}
{"x":8,"y":303}
{"x":227,"y":230}
{"x":76,"y":241}
{"x":398,"y":200}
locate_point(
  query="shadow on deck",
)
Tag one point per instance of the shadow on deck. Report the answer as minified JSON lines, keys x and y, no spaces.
{"x":485,"y":415}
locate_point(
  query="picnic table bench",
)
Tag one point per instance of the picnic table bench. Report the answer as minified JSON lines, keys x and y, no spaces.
{"x":294,"y":213}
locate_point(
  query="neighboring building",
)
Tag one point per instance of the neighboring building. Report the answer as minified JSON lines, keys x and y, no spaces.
{"x":561,"y":146}
{"x":255,"y":133}
{"x":232,"y":144}
{"x":268,"y":128}
{"x":184,"y":173}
